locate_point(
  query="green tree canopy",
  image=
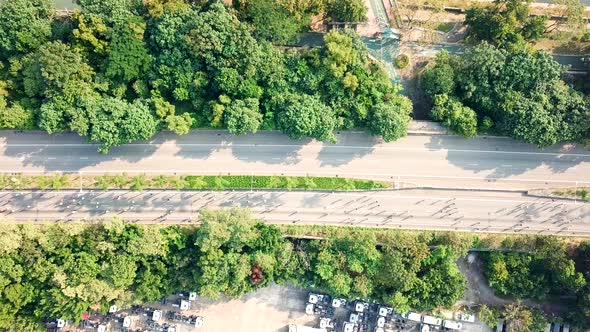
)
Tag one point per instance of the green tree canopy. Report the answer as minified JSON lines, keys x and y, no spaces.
{"x":25,"y":25}
{"x":346,"y":10}
{"x":506,"y":23}
{"x":390,"y":120}
{"x":243,"y":116}
{"x":305,"y":116}
{"x":521,"y":92}
{"x":55,"y":69}
{"x":270,"y":20}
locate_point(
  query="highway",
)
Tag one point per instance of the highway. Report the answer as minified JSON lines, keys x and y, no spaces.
{"x":417,"y":160}
{"x":483,"y":211}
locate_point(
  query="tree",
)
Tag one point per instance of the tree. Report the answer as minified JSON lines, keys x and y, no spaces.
{"x":232,"y":245}
{"x":440,"y":282}
{"x":25,"y":25}
{"x":179,"y":124}
{"x":522,"y":319}
{"x":54,"y":70}
{"x":346,"y":266}
{"x":507,"y":23}
{"x":115,"y":122}
{"x":271,"y":21}
{"x":156,"y":8}
{"x":573,"y":13}
{"x":15,"y":117}
{"x":518,"y":92}
{"x":488,"y":316}
{"x":346,"y":10}
{"x":243,"y":116}
{"x":90,"y":35}
{"x":394,"y":278}
{"x":390,"y":120}
{"x":305,"y":115}
{"x":440,"y":78}
{"x":111,"y":11}
{"x":127,"y":56}
{"x":454,"y":115}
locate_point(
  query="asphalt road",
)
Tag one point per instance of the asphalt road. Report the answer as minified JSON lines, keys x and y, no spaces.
{"x":410,"y":209}
{"x":437,"y":160}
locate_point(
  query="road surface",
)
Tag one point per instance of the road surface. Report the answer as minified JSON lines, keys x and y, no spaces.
{"x":410,"y":209}
{"x":434,"y":161}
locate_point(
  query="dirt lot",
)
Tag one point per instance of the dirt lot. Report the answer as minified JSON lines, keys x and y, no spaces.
{"x":267,"y":310}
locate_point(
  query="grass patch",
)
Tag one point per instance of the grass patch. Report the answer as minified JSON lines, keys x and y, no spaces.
{"x":445,"y":27}
{"x":580,"y":193}
{"x":209,"y":182}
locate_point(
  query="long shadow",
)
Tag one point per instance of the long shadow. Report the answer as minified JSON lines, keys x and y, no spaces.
{"x":267,"y":147}
{"x":349,"y":146}
{"x":506,"y":157}
{"x":66,"y":152}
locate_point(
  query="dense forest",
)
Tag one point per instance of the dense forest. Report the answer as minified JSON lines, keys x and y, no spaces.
{"x":119,"y":71}
{"x":61,"y":271}
{"x":545,"y":269}
{"x":503,"y":85}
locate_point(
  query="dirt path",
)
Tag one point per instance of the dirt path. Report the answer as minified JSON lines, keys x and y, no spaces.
{"x":479,"y":292}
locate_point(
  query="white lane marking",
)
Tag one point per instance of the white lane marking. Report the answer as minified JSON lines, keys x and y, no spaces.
{"x":318,"y":147}
{"x":84,"y":158}
{"x":506,"y":165}
{"x":473,"y":164}
{"x":51,"y":158}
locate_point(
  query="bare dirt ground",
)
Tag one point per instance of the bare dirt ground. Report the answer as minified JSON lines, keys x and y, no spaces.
{"x":267,"y":310}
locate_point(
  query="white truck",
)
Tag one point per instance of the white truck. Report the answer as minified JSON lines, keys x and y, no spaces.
{"x":303,"y":328}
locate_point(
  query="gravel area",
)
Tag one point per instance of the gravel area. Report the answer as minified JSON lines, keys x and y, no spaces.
{"x":268,"y":310}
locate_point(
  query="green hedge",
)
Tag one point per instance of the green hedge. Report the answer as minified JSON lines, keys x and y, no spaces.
{"x":213,"y":182}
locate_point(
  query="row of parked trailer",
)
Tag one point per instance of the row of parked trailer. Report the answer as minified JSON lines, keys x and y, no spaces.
{"x":429,"y":322}
{"x":337,"y":314}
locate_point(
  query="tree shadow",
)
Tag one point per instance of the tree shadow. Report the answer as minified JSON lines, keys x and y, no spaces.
{"x":269,"y":148}
{"x":506,"y":157}
{"x":349,"y":146}
{"x":66,"y":152}
{"x":313,"y":200}
{"x":266,"y":147}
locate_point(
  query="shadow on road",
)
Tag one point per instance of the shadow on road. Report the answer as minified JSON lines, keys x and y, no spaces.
{"x":268,"y":148}
{"x":346,"y":149}
{"x":30,"y":149}
{"x":505,"y":165}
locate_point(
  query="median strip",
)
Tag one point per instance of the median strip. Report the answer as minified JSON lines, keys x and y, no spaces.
{"x":185,"y":182}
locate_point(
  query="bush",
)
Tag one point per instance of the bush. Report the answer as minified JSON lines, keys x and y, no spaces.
{"x":402,"y":61}
{"x":486,"y":124}
{"x":454,"y":115}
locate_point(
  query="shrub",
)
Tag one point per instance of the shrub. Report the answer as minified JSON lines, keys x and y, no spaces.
{"x":402,"y":61}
